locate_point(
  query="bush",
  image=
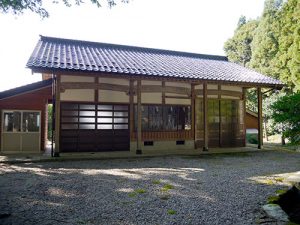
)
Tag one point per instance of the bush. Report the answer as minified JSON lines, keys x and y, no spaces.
{"x":286,"y":112}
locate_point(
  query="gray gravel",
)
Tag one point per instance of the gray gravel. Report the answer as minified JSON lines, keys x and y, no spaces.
{"x":223,"y":189}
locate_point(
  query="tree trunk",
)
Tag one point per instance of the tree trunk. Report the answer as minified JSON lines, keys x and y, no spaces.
{"x":282,"y":140}
{"x":266,"y":131}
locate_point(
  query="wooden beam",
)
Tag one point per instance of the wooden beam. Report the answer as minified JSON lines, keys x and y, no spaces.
{"x":57,"y":116}
{"x":178,"y":97}
{"x":222,"y":92}
{"x":205,"y":117}
{"x":260,"y":121}
{"x":139,"y":118}
{"x":89,"y":85}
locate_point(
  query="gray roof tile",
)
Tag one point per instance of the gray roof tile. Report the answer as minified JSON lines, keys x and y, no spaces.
{"x":65,"y":54}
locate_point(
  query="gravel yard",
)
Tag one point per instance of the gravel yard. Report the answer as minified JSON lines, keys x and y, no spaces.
{"x":213,"y":189}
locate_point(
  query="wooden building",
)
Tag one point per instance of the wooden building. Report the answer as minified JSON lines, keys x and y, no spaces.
{"x":123,"y":98}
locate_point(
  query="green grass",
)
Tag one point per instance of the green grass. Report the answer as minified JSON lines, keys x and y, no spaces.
{"x":132,"y":194}
{"x":140,"y":191}
{"x":167,"y":187}
{"x":281,"y":191}
{"x":171,"y":212}
{"x":273,"y":199}
{"x":156,"y":182}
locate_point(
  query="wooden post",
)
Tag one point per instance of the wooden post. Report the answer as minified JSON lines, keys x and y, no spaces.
{"x":139,"y":118}
{"x":163,"y":94}
{"x":131,"y":108}
{"x":193,"y":120}
{"x":244,"y":113}
{"x":260,"y":127}
{"x":57,"y":115}
{"x":205,"y":117}
{"x":220,"y":114}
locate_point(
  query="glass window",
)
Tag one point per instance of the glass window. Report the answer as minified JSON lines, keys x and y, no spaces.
{"x":145,"y":119}
{"x":31,"y":122}
{"x":184,"y":118}
{"x":87,"y":120}
{"x":170,"y":118}
{"x":155,"y":117}
{"x":87,"y":113}
{"x":12,"y":122}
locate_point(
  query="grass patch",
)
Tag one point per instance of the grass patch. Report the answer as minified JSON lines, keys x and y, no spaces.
{"x":273,"y":199}
{"x":140,"y":191}
{"x":132,"y":194}
{"x":171,"y":212}
{"x":156,"y":182}
{"x":280,"y":192}
{"x":167,"y":187}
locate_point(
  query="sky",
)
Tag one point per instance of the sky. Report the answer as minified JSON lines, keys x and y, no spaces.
{"x":199,"y":26}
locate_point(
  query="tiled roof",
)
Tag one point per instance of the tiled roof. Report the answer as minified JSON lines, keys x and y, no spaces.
{"x":25,"y":88}
{"x":64,"y":54}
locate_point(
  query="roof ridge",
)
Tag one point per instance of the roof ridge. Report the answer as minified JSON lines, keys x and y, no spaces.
{"x":157,"y":50}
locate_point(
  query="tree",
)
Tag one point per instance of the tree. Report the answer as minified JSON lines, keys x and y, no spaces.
{"x":265,"y":41}
{"x":286,"y":112}
{"x":238,"y":48}
{"x":36,"y":6}
{"x":289,"y":44}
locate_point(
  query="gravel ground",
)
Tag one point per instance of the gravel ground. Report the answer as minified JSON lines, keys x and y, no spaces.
{"x":223,"y":189}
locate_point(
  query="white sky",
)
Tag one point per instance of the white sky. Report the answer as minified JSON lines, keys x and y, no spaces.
{"x":200,"y":26}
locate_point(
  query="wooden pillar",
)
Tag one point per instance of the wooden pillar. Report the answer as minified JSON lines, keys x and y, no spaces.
{"x":205,"y":117}
{"x":220,"y":114}
{"x":163,"y":94}
{"x":57,"y":115}
{"x":139,"y":118}
{"x":131,"y":108}
{"x":193,"y":112}
{"x":260,"y":121}
{"x":244,"y":113}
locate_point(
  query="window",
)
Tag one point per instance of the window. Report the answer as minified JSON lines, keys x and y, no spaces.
{"x":21,"y":121}
{"x":168,"y":118}
{"x":31,"y":122}
{"x":12,"y":121}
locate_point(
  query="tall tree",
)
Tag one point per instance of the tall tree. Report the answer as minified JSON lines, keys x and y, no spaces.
{"x":265,"y":41}
{"x":36,"y":6}
{"x":238,"y":48}
{"x":288,"y":55}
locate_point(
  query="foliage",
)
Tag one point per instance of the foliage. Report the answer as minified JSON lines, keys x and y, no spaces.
{"x":238,"y":48}
{"x":265,"y":41}
{"x":286,"y":111}
{"x":270,"y":44}
{"x":50,"y":108}
{"x":289,"y":44}
{"x":37,"y":6}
